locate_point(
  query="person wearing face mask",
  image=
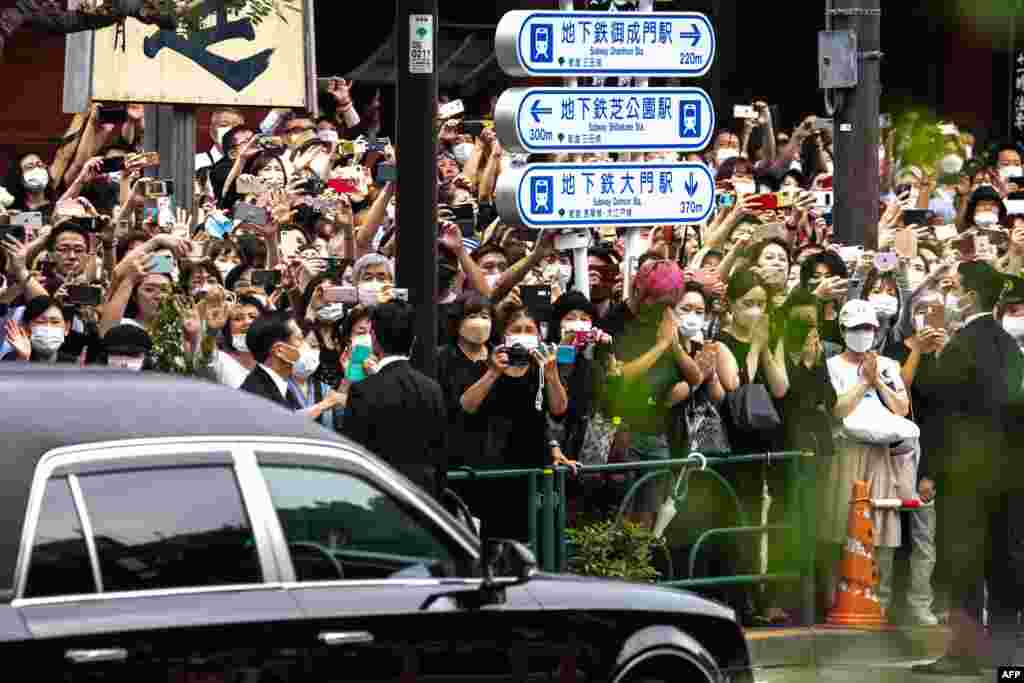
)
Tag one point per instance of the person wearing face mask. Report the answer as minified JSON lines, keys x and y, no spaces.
{"x":318,"y":400}
{"x":741,"y":173}
{"x":227,"y":325}
{"x":726,"y":147}
{"x":374,"y":276}
{"x":859,"y":374}
{"x":984,"y":209}
{"x":978,"y":383}
{"x":582,"y":363}
{"x":1008,"y":162}
{"x":221,"y":121}
{"x":399,"y":413}
{"x":128,"y":347}
{"x":199,"y":278}
{"x":514,"y":402}
{"x":277,"y":344}
{"x":1011,"y":308}
{"x":40,"y":334}
{"x":28,"y":180}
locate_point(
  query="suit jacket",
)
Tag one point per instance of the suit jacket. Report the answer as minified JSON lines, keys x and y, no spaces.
{"x":399,"y":414}
{"x":260,"y":383}
{"x":977,"y":385}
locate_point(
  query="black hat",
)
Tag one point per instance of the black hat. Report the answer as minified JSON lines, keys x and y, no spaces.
{"x":1013,"y":290}
{"x":128,"y":340}
{"x":985,"y":193}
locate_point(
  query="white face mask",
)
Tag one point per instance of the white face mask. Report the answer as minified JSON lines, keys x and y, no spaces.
{"x":308,"y":362}
{"x":1014,"y":326}
{"x":36,"y":179}
{"x":1007,"y":172}
{"x":859,"y":341}
{"x":574,"y":326}
{"x":558,"y":273}
{"x":204,"y":289}
{"x":795,"y":165}
{"x":364,"y":340}
{"x":745,"y":188}
{"x":886,"y":305}
{"x":47,"y":339}
{"x":691,"y":324}
{"x":463,"y":152}
{"x":329,"y":136}
{"x":527,"y":341}
{"x":951,"y":163}
{"x":492,"y":279}
{"x":726,"y":153}
{"x":125,"y":362}
{"x":986,"y":218}
{"x":369,"y":293}
{"x":238,"y":341}
{"x":331,"y":313}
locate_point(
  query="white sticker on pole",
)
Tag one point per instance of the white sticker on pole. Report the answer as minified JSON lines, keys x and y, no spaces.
{"x":421,"y":44}
{"x":569,"y":195}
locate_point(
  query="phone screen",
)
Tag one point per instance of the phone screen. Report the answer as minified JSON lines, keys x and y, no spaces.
{"x":112,"y":165}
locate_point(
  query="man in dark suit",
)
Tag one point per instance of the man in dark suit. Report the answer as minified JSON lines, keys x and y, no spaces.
{"x":977,"y":384}
{"x":399,"y":413}
{"x":275,"y":341}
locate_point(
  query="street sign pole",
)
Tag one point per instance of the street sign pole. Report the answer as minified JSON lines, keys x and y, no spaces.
{"x":580,"y":258}
{"x":631,"y":253}
{"x":417,"y":170}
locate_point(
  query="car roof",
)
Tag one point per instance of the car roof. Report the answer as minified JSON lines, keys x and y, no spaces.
{"x":48,"y":408}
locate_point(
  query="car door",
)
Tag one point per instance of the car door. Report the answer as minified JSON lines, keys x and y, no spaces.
{"x":372,"y":564}
{"x":143,"y":563}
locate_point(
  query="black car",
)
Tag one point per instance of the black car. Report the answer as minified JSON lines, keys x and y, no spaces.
{"x":167,"y":530}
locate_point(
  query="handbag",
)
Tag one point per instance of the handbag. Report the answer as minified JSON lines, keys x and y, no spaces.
{"x":752,"y":410}
{"x":873,"y":423}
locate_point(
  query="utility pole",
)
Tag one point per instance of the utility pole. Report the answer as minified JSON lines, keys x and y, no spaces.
{"x":417,"y":170}
{"x":856,"y":136}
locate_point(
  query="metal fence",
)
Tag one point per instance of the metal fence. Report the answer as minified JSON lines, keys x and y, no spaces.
{"x":547,"y":506}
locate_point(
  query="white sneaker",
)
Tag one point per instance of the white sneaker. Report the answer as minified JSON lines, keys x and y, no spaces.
{"x":922,"y":617}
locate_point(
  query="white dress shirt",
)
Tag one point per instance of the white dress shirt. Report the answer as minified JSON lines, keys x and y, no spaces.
{"x":282,"y":384}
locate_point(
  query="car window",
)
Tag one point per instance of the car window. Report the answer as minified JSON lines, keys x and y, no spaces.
{"x":340,"y":526}
{"x":60,"y":558}
{"x":170,"y":528}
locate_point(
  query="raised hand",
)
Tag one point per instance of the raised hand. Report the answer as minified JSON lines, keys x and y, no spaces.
{"x":19,"y":340}
{"x":341,"y":91}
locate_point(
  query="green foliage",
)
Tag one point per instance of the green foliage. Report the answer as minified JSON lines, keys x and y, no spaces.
{"x":168,"y":334}
{"x":614,"y":549}
{"x":192,"y":20}
{"x":918,"y":139}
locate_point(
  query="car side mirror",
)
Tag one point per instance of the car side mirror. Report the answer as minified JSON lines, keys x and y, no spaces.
{"x":508,"y":558}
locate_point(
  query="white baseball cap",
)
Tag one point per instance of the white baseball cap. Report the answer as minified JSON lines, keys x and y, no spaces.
{"x":858,"y":312}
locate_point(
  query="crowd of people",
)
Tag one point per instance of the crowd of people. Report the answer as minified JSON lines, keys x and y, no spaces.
{"x":752,"y":333}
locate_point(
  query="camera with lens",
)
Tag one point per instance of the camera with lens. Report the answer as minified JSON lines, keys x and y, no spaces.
{"x":518,"y":356}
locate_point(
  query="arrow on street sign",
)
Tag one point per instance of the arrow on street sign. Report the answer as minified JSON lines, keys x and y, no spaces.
{"x":604,"y":119}
{"x":538,"y":110}
{"x":694,"y":35}
{"x":552,"y":43}
{"x":572,"y":195}
{"x":691,"y":186}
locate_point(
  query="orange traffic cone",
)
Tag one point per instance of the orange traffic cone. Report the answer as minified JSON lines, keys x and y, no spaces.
{"x":856,"y":601}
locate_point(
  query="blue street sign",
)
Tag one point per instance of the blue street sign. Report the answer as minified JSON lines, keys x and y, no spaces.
{"x":544,"y":43}
{"x":569,"y":195}
{"x":604,"y":119}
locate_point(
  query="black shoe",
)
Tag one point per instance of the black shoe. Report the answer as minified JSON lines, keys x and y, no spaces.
{"x":948,"y":665}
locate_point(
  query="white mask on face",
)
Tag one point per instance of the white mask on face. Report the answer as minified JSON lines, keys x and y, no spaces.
{"x":1007,"y":172}
{"x":1014,"y":326}
{"x":795,"y":165}
{"x":951,"y":163}
{"x":886,"y":305}
{"x":463,"y":152}
{"x":125,"y":362}
{"x":492,"y":279}
{"x":46,"y":339}
{"x":369,"y":293}
{"x":476,"y":330}
{"x":745,"y":188}
{"x":527,"y":341}
{"x":331,"y":313}
{"x":986,"y":218}
{"x":36,"y":179}
{"x":238,"y":341}
{"x":726,"y":153}
{"x":859,"y":341}
{"x":691,"y":324}
{"x":309,"y":361}
{"x":574,"y":326}
{"x":204,"y":289}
